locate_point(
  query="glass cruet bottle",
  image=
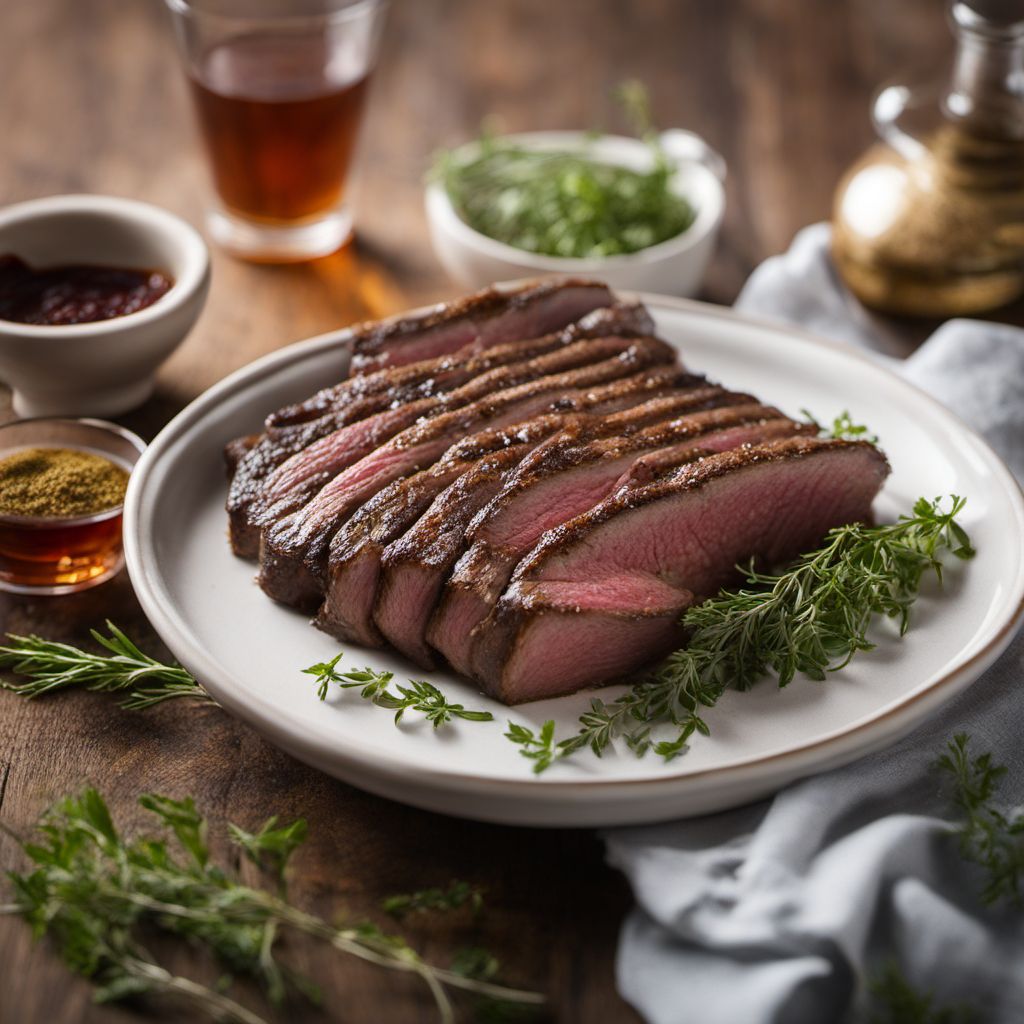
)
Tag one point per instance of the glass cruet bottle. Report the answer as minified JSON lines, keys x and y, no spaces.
{"x":930,"y":221}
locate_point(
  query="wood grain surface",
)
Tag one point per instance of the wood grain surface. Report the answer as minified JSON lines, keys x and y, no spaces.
{"x":93,"y":100}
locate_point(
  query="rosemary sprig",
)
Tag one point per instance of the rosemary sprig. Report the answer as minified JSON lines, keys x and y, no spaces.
{"x":812,"y":618}
{"x":48,"y":666}
{"x":992,"y":838}
{"x":95,"y":894}
{"x":417,"y":695}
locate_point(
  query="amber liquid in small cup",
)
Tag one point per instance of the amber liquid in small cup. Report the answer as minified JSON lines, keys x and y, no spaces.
{"x":279,"y":131}
{"x":49,"y":556}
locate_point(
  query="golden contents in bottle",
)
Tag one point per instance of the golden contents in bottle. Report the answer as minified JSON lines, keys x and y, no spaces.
{"x":940,"y":236}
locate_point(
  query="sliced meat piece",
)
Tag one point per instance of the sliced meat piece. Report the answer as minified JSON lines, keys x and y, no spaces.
{"x":602,"y":595}
{"x":489,"y":317}
{"x":411,"y":586}
{"x":354,"y":559}
{"x":414,"y":568}
{"x":236,"y":450}
{"x":621,"y":318}
{"x":294,"y":428}
{"x":298,"y":479}
{"x":293,"y":550}
{"x":562,"y":481}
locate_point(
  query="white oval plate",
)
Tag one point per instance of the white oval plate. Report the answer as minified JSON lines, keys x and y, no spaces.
{"x":249,"y":652}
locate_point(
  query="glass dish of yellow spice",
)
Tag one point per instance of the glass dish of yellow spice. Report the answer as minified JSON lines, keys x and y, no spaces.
{"x":62,"y":486}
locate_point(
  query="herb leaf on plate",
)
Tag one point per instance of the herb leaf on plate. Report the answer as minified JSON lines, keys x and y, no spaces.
{"x":373,"y":686}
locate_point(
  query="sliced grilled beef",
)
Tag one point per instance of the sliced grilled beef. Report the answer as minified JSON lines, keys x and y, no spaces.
{"x":621,"y":318}
{"x":294,"y":428}
{"x":298,"y":479}
{"x":293,"y":549}
{"x":489,"y":317}
{"x":562,"y":481}
{"x":602,"y":595}
{"x":415,"y":567}
{"x":354,"y":559}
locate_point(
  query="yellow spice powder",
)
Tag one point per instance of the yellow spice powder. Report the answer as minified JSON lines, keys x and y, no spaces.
{"x":59,"y":482}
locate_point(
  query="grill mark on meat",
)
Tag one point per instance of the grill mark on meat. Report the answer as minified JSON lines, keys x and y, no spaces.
{"x":298,"y":479}
{"x":354,"y":559}
{"x":561,"y":481}
{"x":621,"y":318}
{"x":293,"y":549}
{"x":489,"y":317}
{"x":357,"y":562}
{"x":294,"y":428}
{"x":615,"y":580}
{"x":411,"y":583}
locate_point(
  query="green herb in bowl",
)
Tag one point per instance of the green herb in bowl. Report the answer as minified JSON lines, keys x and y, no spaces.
{"x":560,"y":203}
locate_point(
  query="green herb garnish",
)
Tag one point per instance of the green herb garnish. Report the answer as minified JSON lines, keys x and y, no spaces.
{"x":843,"y":428}
{"x":811,"y":618}
{"x":418,"y":695}
{"x":895,"y":1001}
{"x":457,"y":895}
{"x":49,"y":666}
{"x":566,"y":204}
{"x":989,"y":837}
{"x":101,"y":897}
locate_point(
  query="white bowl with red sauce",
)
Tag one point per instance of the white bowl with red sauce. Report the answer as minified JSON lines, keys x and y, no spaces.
{"x":142,"y":278}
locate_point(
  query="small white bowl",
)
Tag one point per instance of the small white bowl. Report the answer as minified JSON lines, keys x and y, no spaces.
{"x":106,"y":367}
{"x":673,"y":267}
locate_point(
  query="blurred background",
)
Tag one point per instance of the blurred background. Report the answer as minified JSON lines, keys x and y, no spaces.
{"x":94,"y":100}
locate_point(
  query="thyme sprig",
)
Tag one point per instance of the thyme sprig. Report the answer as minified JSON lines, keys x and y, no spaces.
{"x":990,"y":837}
{"x":811,"y":618}
{"x":96,"y":894}
{"x":373,"y":686}
{"x":48,"y":666}
{"x":457,"y":895}
{"x":843,"y":428}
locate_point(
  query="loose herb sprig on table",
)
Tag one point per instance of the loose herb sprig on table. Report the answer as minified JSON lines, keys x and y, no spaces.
{"x":418,"y":695}
{"x":97,"y":894}
{"x":812,"y":618}
{"x":48,"y":666}
{"x":988,"y":836}
{"x":457,"y":895}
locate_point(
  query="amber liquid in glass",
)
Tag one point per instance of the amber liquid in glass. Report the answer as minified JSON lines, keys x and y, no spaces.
{"x":51,"y":555}
{"x":279,"y":130}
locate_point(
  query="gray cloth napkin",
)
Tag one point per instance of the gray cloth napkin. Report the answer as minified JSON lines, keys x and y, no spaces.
{"x":776,"y":913}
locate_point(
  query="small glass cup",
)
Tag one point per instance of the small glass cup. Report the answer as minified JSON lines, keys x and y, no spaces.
{"x":279,"y":89}
{"x":61,"y":555}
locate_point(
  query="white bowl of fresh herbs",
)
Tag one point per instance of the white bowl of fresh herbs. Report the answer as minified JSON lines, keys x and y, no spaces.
{"x":642,"y":214}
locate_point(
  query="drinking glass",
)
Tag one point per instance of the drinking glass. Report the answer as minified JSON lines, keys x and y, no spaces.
{"x":279,"y":88}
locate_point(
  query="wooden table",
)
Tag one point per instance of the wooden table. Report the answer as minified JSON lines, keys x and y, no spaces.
{"x":93,"y":100}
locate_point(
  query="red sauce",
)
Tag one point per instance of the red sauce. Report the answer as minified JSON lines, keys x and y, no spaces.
{"x":75,"y":294}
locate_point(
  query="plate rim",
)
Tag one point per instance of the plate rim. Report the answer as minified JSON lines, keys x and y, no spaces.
{"x":825,"y":751}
